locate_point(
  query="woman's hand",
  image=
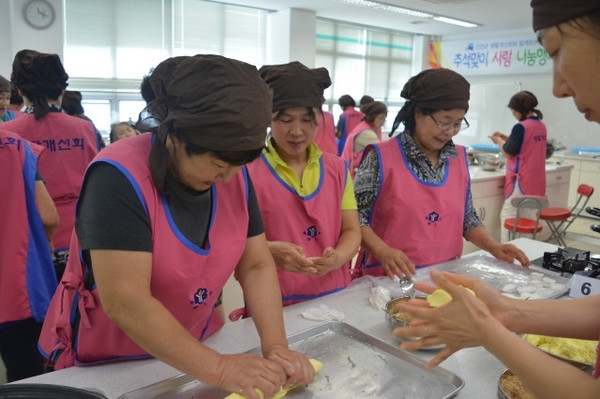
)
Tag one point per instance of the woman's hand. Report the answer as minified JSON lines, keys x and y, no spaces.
{"x":395,"y":262}
{"x":242,"y":373}
{"x":290,"y":257}
{"x":508,"y":253}
{"x":297,"y":367}
{"x":328,"y":262}
{"x":498,"y":138}
{"x":458,"y":324}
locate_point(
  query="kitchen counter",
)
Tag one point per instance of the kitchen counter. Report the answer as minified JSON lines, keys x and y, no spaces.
{"x":478,"y":174}
{"x":583,"y":156}
{"x":479,"y":369}
{"x":586,"y":170}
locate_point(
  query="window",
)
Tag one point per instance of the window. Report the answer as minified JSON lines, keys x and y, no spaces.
{"x":364,"y":60}
{"x":111,"y":44}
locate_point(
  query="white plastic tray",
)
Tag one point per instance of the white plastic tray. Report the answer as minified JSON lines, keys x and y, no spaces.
{"x":498,"y":274}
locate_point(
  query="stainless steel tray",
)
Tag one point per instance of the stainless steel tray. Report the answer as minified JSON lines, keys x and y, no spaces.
{"x":355,"y":365}
{"x":498,"y":274}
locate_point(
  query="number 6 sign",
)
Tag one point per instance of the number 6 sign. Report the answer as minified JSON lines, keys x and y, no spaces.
{"x":582,"y":286}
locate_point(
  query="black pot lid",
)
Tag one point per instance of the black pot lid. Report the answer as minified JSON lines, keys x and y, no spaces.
{"x":45,"y":391}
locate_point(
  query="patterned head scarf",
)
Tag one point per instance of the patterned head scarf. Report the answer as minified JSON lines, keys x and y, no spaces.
{"x":547,"y":13}
{"x":436,"y":89}
{"x":295,"y":85}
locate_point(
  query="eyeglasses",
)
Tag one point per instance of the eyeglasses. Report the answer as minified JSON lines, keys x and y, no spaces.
{"x":456,"y":127}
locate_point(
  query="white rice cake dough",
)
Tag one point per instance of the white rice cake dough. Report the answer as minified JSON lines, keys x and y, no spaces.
{"x":536,"y":275}
{"x":535,"y":286}
{"x":509,"y":288}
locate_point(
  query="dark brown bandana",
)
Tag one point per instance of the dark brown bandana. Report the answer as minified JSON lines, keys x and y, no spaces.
{"x":35,"y":72}
{"x":214,"y":102}
{"x":435,"y":89}
{"x":295,"y":85}
{"x":547,"y":13}
{"x":523,"y":102}
{"x":438,"y":89}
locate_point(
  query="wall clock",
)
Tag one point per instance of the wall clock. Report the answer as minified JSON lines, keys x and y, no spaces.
{"x":39,"y":14}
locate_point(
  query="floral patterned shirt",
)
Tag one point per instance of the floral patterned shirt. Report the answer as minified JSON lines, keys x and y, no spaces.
{"x":366,"y":182}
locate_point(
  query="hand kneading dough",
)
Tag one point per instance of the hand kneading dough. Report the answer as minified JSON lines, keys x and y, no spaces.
{"x":441,"y":297}
{"x":283,"y":391}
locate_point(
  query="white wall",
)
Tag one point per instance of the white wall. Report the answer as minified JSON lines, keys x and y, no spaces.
{"x":16,"y":35}
{"x":291,"y":37}
{"x":563,"y":121}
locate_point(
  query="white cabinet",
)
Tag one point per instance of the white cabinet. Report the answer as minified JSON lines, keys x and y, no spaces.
{"x":558,"y":187}
{"x":488,"y":197}
{"x":590,"y":174}
{"x":584,"y":171}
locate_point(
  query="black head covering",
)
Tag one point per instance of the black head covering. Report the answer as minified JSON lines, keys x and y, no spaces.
{"x":346,"y":101}
{"x":40,"y":77}
{"x":436,"y":89}
{"x":71,"y":102}
{"x":547,"y":13}
{"x":524,"y":102}
{"x":295,"y":85}
{"x":364,"y":100}
{"x":4,"y":85}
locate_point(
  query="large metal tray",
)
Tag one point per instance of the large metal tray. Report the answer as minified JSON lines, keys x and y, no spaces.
{"x":497,"y":274}
{"x":355,"y":365}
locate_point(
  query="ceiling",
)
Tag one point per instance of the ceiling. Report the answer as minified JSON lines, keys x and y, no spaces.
{"x":492,"y":15}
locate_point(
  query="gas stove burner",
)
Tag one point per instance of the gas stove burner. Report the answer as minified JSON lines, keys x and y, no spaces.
{"x":570,"y":260}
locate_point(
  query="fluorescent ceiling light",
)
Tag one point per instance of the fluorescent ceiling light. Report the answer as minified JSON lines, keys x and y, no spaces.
{"x":386,"y":7}
{"x":407,"y":11}
{"x":455,"y":22}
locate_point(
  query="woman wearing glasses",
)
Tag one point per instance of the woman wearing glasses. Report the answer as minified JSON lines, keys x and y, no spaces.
{"x":413,"y":191}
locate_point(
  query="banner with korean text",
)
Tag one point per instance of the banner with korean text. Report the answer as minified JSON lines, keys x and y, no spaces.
{"x":508,"y":55}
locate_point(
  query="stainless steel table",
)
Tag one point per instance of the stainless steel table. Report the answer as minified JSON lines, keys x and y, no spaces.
{"x":476,"y":366}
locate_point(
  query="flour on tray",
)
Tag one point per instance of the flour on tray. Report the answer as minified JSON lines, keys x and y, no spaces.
{"x":322,"y":313}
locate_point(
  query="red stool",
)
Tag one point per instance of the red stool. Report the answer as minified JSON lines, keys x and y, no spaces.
{"x":520,"y":224}
{"x":559,"y":219}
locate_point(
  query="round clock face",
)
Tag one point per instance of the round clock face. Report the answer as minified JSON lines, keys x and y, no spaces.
{"x":39,"y":14}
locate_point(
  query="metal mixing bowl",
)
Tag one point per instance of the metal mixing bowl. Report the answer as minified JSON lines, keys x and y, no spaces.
{"x":395,"y":318}
{"x":490,"y":162}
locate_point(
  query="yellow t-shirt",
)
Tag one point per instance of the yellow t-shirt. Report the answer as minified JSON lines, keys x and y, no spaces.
{"x":310,"y":177}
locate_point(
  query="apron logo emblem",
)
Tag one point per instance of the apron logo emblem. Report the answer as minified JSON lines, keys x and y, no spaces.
{"x":433,"y":218}
{"x":311,"y":233}
{"x":200,"y":297}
